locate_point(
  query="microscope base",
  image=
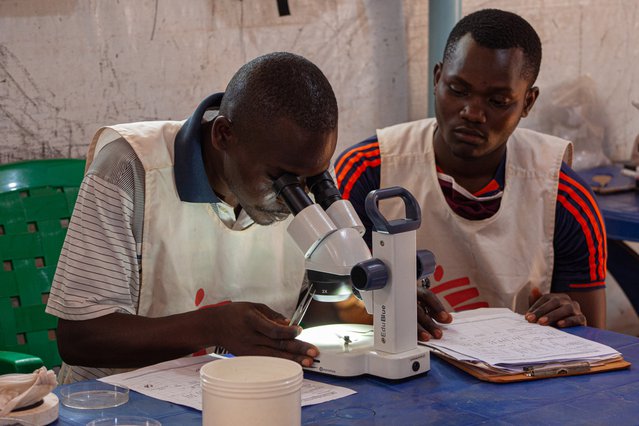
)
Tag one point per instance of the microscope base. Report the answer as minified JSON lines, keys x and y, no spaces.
{"x":348,"y":350}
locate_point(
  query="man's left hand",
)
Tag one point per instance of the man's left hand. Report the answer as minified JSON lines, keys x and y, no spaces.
{"x":429,"y":310}
{"x":554,"y":309}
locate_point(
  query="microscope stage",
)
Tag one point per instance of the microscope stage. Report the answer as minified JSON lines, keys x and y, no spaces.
{"x":348,"y":350}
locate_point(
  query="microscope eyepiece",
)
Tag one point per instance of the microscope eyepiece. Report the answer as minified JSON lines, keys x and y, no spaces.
{"x":330,"y":238}
{"x":324,"y":189}
{"x":288,"y":187}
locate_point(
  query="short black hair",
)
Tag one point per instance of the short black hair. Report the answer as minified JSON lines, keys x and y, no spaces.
{"x":498,"y":29}
{"x":281,"y":85}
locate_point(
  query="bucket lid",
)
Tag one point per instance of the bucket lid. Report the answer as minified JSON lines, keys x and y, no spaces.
{"x":251,"y":372}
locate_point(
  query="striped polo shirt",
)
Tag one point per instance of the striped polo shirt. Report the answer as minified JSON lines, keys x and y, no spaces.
{"x":99,"y":271}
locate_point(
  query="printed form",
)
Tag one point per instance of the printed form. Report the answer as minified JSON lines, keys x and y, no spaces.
{"x":502,"y":338}
{"x":178,"y":381}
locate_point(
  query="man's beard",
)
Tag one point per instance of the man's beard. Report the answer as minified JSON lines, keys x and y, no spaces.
{"x":266,"y":216}
{"x":267,"y":211}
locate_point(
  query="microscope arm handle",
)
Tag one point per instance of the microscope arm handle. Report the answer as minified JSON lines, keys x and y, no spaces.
{"x":380,"y":223}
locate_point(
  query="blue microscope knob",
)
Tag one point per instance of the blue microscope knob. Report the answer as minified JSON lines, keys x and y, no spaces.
{"x":425,"y":263}
{"x":371,"y":274}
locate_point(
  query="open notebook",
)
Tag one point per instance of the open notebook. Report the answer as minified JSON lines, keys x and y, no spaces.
{"x":498,"y":345}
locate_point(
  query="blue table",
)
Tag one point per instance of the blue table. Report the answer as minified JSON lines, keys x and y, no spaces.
{"x":448,"y":396}
{"x":620,"y":212}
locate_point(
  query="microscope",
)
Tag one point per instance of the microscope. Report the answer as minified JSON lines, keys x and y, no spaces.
{"x":339,"y":263}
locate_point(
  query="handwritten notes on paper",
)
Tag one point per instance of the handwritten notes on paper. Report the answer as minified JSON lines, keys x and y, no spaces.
{"x":501,"y":339}
{"x":178,"y":381}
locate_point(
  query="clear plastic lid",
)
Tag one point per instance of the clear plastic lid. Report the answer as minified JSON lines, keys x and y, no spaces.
{"x":125,"y":421}
{"x":93,"y":395}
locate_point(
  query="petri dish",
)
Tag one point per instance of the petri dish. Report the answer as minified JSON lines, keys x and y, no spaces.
{"x":125,"y":421}
{"x":93,"y":395}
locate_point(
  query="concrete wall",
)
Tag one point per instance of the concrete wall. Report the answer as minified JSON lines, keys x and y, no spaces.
{"x":69,"y":66}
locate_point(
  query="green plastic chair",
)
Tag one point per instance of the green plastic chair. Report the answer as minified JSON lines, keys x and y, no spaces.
{"x":36,"y":202}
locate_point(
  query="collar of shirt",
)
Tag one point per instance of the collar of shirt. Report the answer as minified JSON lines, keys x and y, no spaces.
{"x":500,"y":174}
{"x":190,"y":176}
{"x":493,"y":189}
{"x":191,"y":180}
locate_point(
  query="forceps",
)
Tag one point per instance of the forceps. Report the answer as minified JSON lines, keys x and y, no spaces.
{"x":302,"y":306}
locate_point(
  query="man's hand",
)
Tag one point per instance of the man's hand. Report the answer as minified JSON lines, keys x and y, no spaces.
{"x":255,"y":329}
{"x":243,"y":328}
{"x":554,"y":309}
{"x":429,"y":309}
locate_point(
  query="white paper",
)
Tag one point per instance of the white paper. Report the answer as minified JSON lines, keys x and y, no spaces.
{"x":502,"y":338}
{"x":178,"y":381}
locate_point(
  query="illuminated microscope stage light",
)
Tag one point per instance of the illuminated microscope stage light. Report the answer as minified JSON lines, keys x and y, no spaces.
{"x":348,"y":350}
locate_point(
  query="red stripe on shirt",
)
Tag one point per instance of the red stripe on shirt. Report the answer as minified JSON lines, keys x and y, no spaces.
{"x":346,"y":192}
{"x":352,"y":157}
{"x":595,"y":207}
{"x":593,"y":222}
{"x":492,"y":186}
{"x":584,"y":227}
{"x":597,"y":284}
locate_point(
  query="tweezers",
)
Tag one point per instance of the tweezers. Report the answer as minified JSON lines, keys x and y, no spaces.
{"x":302,"y":306}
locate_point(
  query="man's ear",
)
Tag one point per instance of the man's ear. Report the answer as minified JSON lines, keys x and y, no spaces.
{"x":529,"y":101}
{"x":437,"y":73}
{"x":221,"y":133}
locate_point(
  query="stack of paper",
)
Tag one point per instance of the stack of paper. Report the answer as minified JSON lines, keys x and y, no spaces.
{"x":498,"y":341}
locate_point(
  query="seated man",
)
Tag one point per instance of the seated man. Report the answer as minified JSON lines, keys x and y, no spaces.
{"x":175,"y":219}
{"x":510,"y":223}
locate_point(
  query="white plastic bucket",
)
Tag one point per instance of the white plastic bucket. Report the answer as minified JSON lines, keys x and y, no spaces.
{"x":251,"y":390}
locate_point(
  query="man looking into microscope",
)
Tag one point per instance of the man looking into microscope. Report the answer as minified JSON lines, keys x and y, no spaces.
{"x":174,"y":219}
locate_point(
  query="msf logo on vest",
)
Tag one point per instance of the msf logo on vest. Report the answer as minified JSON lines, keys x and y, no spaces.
{"x":458,"y":292}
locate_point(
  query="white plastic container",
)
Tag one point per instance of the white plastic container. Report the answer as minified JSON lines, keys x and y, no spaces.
{"x":251,"y":390}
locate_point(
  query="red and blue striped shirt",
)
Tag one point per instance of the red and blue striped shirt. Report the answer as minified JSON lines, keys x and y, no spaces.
{"x":580,"y":236}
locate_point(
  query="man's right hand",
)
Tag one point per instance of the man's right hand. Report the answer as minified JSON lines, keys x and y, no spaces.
{"x":429,"y":310}
{"x":245,"y":328}
{"x":241,"y":327}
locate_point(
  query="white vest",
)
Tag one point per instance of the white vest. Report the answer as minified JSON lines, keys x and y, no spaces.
{"x":491,"y":262}
{"x":190,"y":258}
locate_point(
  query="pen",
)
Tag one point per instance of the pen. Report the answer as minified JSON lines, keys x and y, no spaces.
{"x":221,"y":356}
{"x":546,"y":370}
